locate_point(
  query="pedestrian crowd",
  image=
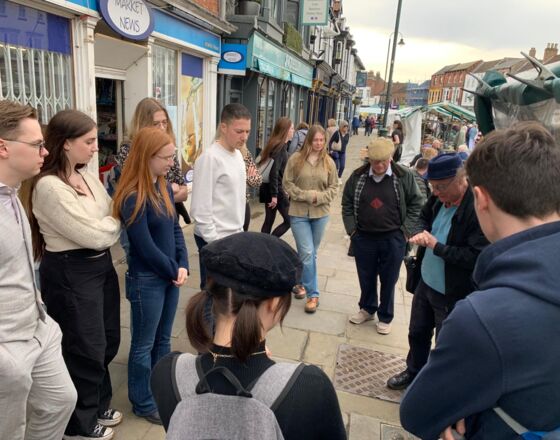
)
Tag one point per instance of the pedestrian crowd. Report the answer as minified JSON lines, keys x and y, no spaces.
{"x":479,"y":228}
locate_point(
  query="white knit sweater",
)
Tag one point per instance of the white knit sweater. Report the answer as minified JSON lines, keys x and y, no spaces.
{"x":70,"y":221}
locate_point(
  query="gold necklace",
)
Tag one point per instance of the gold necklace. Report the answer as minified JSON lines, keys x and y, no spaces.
{"x":215,"y":356}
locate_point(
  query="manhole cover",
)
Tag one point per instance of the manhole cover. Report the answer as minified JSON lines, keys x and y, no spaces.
{"x":365,"y":372}
{"x":390,"y":432}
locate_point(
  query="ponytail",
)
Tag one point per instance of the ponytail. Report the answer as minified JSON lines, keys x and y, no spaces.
{"x":197,"y":327}
{"x":247,"y":331}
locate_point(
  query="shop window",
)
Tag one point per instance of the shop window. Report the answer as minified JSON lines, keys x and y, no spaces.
{"x":271,"y":102}
{"x":261,"y":112}
{"x":165,"y":75}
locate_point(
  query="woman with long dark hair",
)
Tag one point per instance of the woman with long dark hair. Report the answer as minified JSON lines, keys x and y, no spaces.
{"x":397,"y":137}
{"x":158,"y":263}
{"x":272,"y":193}
{"x":250,"y":276}
{"x":72,"y":234}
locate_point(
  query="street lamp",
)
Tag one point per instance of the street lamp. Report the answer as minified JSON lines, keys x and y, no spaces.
{"x":393,"y":53}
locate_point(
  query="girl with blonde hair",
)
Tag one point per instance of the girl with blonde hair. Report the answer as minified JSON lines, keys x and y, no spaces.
{"x":158,"y":264}
{"x":311,"y":181}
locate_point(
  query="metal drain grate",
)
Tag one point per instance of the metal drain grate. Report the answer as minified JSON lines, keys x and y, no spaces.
{"x":365,"y":372}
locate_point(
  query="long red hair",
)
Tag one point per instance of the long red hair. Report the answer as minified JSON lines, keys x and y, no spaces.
{"x":136,"y":177}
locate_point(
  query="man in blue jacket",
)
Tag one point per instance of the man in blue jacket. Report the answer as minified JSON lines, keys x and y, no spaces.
{"x":497,"y":354}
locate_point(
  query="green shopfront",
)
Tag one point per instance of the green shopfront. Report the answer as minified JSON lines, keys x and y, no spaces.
{"x":275,"y":84}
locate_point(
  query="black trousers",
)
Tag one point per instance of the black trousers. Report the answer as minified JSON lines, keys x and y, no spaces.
{"x":429,"y":310}
{"x":81,"y":291}
{"x":282,"y":206}
{"x":247,"y":221}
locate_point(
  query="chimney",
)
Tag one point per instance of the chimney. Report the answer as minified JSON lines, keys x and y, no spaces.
{"x":533,"y":52}
{"x":550,"y":52}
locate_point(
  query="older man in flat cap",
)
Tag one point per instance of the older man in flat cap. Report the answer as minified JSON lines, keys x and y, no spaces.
{"x":380,"y":208}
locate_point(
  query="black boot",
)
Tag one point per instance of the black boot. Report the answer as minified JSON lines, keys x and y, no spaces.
{"x":401,"y":381}
{"x":182,"y":211}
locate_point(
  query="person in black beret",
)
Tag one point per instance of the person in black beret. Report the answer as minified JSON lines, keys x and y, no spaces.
{"x":250,"y":278}
{"x":449,"y":239}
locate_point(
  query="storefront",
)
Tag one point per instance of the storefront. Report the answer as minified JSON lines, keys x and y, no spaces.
{"x":274,"y":84}
{"x":103,"y":57}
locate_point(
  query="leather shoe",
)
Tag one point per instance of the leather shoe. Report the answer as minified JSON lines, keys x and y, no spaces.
{"x":401,"y":381}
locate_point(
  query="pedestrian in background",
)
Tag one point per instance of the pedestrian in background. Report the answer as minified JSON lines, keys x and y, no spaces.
{"x":340,"y":137}
{"x":450,"y":240}
{"x":298,"y":139}
{"x":37,"y":396}
{"x":311,"y":181}
{"x":272,"y":193}
{"x":397,"y":136}
{"x":420,"y":170}
{"x":380,"y":207}
{"x":73,"y":232}
{"x":250,"y":278}
{"x":355,"y":124}
{"x":367,"y":124}
{"x":158,"y":263}
{"x":254,"y":180}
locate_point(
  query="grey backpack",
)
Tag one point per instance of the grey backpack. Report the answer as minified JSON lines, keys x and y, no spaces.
{"x":249,"y":415}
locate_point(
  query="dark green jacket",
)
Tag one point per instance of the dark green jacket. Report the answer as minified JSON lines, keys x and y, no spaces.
{"x":408,"y":193}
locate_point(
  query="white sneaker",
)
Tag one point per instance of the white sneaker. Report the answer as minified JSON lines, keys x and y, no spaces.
{"x":383,"y":328}
{"x":99,"y":432}
{"x":361,"y":317}
{"x":111,"y":417}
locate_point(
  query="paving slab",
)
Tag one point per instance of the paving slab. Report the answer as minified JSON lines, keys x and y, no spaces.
{"x":322,"y":321}
{"x":322,"y":348}
{"x":287,"y":342}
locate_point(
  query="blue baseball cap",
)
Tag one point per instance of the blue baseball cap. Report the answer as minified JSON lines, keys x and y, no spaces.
{"x":444,"y":166}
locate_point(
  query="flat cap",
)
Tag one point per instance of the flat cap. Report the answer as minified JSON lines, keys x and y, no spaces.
{"x":253,"y":263}
{"x":381,"y":149}
{"x":444,"y":166}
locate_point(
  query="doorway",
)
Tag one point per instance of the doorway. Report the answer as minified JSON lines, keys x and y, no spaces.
{"x":109,"y":118}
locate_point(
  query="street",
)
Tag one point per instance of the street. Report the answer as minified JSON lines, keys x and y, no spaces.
{"x":366,"y":358}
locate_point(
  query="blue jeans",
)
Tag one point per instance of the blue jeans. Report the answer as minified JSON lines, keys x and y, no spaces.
{"x":308,"y":233}
{"x":153,"y":303}
{"x":208,"y":317}
{"x":339,"y":158}
{"x":378,"y":257}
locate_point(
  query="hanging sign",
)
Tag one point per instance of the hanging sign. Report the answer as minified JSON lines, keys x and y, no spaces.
{"x":132,"y":19}
{"x":314,"y":12}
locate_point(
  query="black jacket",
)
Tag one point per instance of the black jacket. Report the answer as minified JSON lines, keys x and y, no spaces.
{"x":274,"y":187}
{"x":464,"y":243}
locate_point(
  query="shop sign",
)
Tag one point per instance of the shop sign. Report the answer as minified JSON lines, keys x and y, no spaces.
{"x":233,"y":60}
{"x":314,"y":12}
{"x":132,"y":19}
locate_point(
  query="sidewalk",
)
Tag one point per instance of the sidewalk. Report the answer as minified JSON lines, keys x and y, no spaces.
{"x":316,"y":339}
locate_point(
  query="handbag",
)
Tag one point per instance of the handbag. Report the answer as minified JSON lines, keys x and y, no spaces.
{"x":264,"y":168}
{"x":337,"y":146}
{"x":412,"y":273}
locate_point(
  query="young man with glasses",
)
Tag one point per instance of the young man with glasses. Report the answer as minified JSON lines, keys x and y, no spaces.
{"x":37,"y":396}
{"x":449,"y":243}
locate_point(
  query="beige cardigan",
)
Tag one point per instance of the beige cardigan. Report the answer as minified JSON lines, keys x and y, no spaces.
{"x":70,"y":221}
{"x":311,"y":180}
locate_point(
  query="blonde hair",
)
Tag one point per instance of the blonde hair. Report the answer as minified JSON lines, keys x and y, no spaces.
{"x":144,"y":117}
{"x":303,"y":154}
{"x":429,"y":153}
{"x":331,"y":122}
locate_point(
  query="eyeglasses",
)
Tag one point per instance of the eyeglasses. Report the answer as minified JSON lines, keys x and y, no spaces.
{"x":162,"y":124}
{"x":37,"y":145}
{"x":441,"y":187}
{"x":167,"y":158}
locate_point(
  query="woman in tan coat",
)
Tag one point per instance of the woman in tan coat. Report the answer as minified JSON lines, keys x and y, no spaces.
{"x":311,"y":181}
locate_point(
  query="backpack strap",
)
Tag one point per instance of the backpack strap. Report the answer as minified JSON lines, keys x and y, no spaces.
{"x":510,"y":421}
{"x":275,"y":383}
{"x":185,"y":375}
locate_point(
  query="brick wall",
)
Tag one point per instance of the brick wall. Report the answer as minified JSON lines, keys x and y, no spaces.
{"x":211,"y":5}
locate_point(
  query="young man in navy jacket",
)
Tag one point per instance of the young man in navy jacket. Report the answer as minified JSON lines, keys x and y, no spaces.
{"x":498,"y":348}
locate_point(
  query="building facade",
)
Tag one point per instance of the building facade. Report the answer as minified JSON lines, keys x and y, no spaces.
{"x":417,"y":94}
{"x":104,"y":56}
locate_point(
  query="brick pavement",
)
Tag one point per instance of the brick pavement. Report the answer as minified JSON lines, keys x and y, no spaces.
{"x":309,"y":338}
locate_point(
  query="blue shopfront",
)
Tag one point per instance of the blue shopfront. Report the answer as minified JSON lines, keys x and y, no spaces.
{"x":272,"y":83}
{"x":103,"y":57}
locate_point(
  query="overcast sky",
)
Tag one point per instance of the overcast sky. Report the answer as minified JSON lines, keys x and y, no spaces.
{"x":439,"y":32}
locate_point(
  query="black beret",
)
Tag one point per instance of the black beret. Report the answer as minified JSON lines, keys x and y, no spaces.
{"x":253,"y":263}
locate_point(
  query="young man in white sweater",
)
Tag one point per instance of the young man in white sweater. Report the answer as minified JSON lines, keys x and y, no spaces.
{"x":37,"y":396}
{"x":218,"y":195}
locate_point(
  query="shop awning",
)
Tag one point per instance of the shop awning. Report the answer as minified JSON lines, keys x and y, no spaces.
{"x":453,"y":110}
